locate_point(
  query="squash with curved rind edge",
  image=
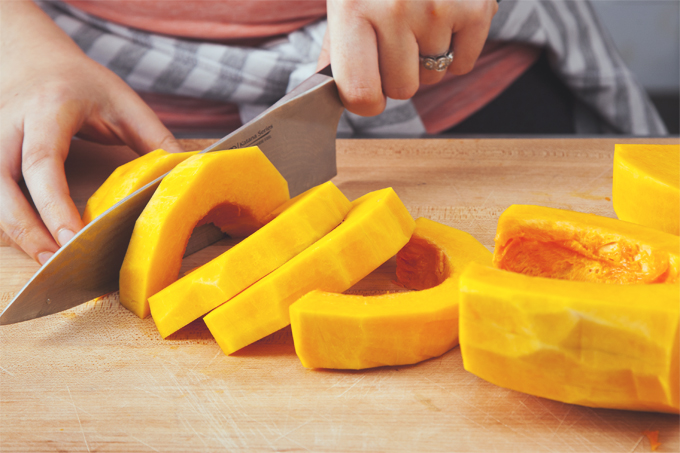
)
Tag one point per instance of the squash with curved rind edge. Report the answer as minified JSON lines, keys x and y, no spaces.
{"x":556,"y":243}
{"x":294,"y":226}
{"x":593,"y":344}
{"x":646,"y":185}
{"x":376,"y":227}
{"x":235,"y":189}
{"x":130,"y":177}
{"x":354,"y":332}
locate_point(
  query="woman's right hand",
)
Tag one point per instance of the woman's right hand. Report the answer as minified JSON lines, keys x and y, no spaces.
{"x":49,"y":92}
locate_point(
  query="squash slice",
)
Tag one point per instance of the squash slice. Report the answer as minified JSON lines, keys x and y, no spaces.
{"x":556,"y":243}
{"x":235,"y":189}
{"x":354,"y":332}
{"x":129,"y":177}
{"x":296,"y":225}
{"x":376,"y":227}
{"x":646,"y":185}
{"x":593,"y":344}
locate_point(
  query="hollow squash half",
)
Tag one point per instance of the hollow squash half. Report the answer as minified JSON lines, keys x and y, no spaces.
{"x":235,"y":189}
{"x":333,"y":330}
{"x":376,"y":227}
{"x":593,"y":344}
{"x":129,"y":177}
{"x":556,"y":243}
{"x":646,"y":185}
{"x":295,"y":225}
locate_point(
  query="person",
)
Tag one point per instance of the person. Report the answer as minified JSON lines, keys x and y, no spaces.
{"x":123,"y":72}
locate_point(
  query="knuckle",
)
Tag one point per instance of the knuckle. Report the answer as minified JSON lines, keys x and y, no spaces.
{"x":481,"y":11}
{"x":54,"y":92}
{"x":47,"y":207}
{"x":17,"y":232}
{"x":494,"y":7}
{"x":401,"y":91}
{"x":463,"y":67}
{"x":488,"y":9}
{"x":34,"y":160}
{"x":363,"y":99}
{"x":398,"y":9}
{"x":351,"y":6}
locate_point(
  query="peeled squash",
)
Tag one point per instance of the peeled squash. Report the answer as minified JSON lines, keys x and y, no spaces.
{"x":569,"y":245}
{"x":130,"y":177}
{"x":593,"y":320}
{"x":646,"y":184}
{"x":333,"y":330}
{"x":593,"y":344}
{"x":376,"y":227}
{"x":235,"y":189}
{"x":294,"y":226}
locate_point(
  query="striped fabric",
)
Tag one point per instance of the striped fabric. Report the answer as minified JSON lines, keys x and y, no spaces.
{"x":580,"y":52}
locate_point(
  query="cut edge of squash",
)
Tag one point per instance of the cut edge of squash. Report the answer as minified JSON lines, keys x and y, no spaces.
{"x":340,"y":331}
{"x":290,"y":228}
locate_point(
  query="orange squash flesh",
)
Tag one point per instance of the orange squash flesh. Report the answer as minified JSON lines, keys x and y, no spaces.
{"x":241,"y":183}
{"x":354,"y":332}
{"x":294,"y":226}
{"x":646,"y":185}
{"x":587,"y":343}
{"x":601,"y":330}
{"x":376,"y":227}
{"x":130,"y":177}
{"x":555,"y":243}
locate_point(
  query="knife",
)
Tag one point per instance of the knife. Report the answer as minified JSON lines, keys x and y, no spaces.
{"x":297,"y":134}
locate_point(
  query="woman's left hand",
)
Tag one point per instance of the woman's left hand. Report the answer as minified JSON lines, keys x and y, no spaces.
{"x":375,"y":45}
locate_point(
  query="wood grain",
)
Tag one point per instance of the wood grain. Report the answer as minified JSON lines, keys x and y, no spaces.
{"x":97,"y":378}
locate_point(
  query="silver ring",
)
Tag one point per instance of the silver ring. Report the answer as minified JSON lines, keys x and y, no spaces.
{"x":437,"y":62}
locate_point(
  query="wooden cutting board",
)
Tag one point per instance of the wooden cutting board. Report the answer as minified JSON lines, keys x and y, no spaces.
{"x":97,"y":378}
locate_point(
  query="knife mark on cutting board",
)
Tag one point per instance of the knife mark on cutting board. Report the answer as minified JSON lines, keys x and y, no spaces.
{"x":427,"y":402}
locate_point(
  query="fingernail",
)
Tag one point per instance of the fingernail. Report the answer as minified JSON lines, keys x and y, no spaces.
{"x":44,"y":256}
{"x":64,"y":236}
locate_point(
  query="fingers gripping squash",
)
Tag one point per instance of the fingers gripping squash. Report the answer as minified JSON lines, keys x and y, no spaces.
{"x":294,"y":226}
{"x":353,"y":332}
{"x":376,"y":227}
{"x":129,"y":177}
{"x":235,"y":189}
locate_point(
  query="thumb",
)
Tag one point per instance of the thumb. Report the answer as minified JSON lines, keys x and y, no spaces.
{"x":325,"y":55}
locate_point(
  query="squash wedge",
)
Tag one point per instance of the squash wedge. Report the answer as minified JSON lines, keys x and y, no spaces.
{"x":296,"y":225}
{"x":354,"y":332}
{"x":129,"y":177}
{"x":235,"y":189}
{"x":376,"y":227}
{"x":593,"y":344}
{"x":646,"y":185}
{"x":556,"y":243}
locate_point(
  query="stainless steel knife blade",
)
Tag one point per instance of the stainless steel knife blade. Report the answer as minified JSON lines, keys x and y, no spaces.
{"x":297,"y":134}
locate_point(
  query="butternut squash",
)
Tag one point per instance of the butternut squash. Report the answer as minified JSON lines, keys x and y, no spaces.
{"x":376,"y":227}
{"x":354,"y":332}
{"x":569,"y":245}
{"x":646,"y":184}
{"x":295,"y":225}
{"x":235,"y":189}
{"x":129,"y":177}
{"x":587,"y":343}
